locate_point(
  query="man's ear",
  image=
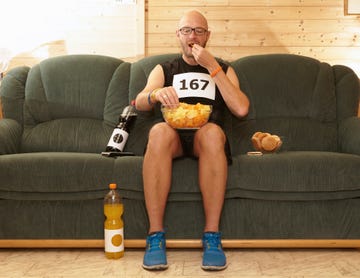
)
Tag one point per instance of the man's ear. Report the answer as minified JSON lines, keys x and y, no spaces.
{"x":208,"y":33}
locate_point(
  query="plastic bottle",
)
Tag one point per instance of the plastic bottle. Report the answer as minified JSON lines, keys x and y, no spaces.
{"x":121,"y":132}
{"x":114,"y":225}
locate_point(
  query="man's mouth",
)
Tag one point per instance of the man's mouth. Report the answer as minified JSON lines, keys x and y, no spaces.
{"x":191,"y":44}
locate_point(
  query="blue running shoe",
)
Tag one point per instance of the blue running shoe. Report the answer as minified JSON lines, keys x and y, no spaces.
{"x":214,"y":257}
{"x":155,"y":253}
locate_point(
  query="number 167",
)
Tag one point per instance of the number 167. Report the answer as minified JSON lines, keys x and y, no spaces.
{"x":194,"y":84}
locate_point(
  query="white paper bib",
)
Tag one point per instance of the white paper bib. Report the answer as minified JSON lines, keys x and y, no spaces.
{"x":194,"y":84}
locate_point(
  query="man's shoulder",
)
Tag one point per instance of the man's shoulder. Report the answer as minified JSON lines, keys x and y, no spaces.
{"x":222,"y":62}
{"x":173,"y":66}
{"x":174,"y":61}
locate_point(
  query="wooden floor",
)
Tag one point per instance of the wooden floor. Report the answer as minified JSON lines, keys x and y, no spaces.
{"x":182,"y":263}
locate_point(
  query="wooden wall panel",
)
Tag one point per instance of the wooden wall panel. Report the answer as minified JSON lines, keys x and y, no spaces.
{"x":245,"y":3}
{"x":252,"y":13}
{"x":314,"y":28}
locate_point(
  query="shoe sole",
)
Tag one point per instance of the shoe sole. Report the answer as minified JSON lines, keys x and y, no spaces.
{"x":155,"y":267}
{"x":213,"y":267}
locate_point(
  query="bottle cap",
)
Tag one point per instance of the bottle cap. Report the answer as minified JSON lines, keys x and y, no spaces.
{"x":112,"y":185}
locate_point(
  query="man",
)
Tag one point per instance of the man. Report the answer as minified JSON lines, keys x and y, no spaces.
{"x":208,"y":144}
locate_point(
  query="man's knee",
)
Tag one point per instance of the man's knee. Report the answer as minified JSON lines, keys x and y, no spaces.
{"x":163,"y":137}
{"x":160,"y":131}
{"x":210,"y":137}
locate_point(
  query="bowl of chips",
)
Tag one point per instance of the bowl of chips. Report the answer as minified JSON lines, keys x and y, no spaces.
{"x":187,"y":116}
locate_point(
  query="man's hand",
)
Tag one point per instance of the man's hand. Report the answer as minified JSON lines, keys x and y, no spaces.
{"x":204,"y":58}
{"x":167,"y":96}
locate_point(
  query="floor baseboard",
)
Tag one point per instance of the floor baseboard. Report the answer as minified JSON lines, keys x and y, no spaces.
{"x":183,"y":243}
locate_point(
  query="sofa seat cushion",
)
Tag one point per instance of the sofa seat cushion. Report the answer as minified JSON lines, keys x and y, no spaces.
{"x":300,"y":176}
{"x":295,"y":176}
{"x":68,"y":176}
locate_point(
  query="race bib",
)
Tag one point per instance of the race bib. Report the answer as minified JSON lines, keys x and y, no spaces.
{"x":194,"y":84}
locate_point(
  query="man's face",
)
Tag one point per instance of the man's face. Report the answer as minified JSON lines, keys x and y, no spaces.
{"x":192,"y":30}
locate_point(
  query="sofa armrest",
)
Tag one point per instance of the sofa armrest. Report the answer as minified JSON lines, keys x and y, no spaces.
{"x":349,"y":135}
{"x":12,"y":93}
{"x":10,"y":136}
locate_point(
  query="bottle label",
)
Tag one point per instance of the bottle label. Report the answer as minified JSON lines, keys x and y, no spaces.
{"x":114,"y":240}
{"x":118,"y":139}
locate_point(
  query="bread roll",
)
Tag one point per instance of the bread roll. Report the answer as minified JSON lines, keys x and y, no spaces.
{"x":270,"y":143}
{"x":264,"y":141}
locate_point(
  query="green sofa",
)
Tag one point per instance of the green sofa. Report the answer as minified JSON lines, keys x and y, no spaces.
{"x":59,"y":115}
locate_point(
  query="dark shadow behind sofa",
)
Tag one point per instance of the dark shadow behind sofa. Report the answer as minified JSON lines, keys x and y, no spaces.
{"x":58,"y":117}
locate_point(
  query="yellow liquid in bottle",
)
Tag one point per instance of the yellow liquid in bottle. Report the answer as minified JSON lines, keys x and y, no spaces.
{"x":113,"y":213}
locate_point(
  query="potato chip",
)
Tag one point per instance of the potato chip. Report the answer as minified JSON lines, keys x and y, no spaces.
{"x":186,"y":115}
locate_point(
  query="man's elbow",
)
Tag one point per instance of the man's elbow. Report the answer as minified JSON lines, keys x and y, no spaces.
{"x":242,"y":111}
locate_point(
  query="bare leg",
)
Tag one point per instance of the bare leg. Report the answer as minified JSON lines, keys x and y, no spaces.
{"x":163,"y":146}
{"x":209,"y":147}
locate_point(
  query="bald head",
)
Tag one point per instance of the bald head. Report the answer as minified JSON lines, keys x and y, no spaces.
{"x":193,"y":18}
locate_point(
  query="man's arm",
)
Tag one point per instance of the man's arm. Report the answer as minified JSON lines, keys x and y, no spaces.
{"x":229,"y":87}
{"x":146,"y":99}
{"x":155,"y":91}
{"x":228,"y":83}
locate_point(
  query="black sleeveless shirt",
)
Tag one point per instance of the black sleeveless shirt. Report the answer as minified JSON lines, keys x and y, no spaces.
{"x":178,"y":66}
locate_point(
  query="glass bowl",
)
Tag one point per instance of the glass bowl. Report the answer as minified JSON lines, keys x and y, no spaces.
{"x":186,"y":116}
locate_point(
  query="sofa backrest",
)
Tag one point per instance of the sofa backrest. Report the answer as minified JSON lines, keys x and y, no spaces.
{"x":298,"y":98}
{"x":72,"y":103}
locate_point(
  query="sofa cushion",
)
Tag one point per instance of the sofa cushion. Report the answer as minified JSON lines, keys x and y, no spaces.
{"x":68,"y":176}
{"x":301,"y":175}
{"x":71,"y":99}
{"x":11,"y":135}
{"x":294,"y":133}
{"x":12,"y":92}
{"x":67,"y":135}
{"x":283,"y":85}
{"x":347,"y":90}
{"x":291,"y":96}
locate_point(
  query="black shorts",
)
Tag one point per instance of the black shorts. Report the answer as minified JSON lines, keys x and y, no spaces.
{"x":187,"y":142}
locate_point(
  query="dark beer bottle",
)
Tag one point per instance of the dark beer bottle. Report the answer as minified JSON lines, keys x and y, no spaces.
{"x":121,"y":132}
